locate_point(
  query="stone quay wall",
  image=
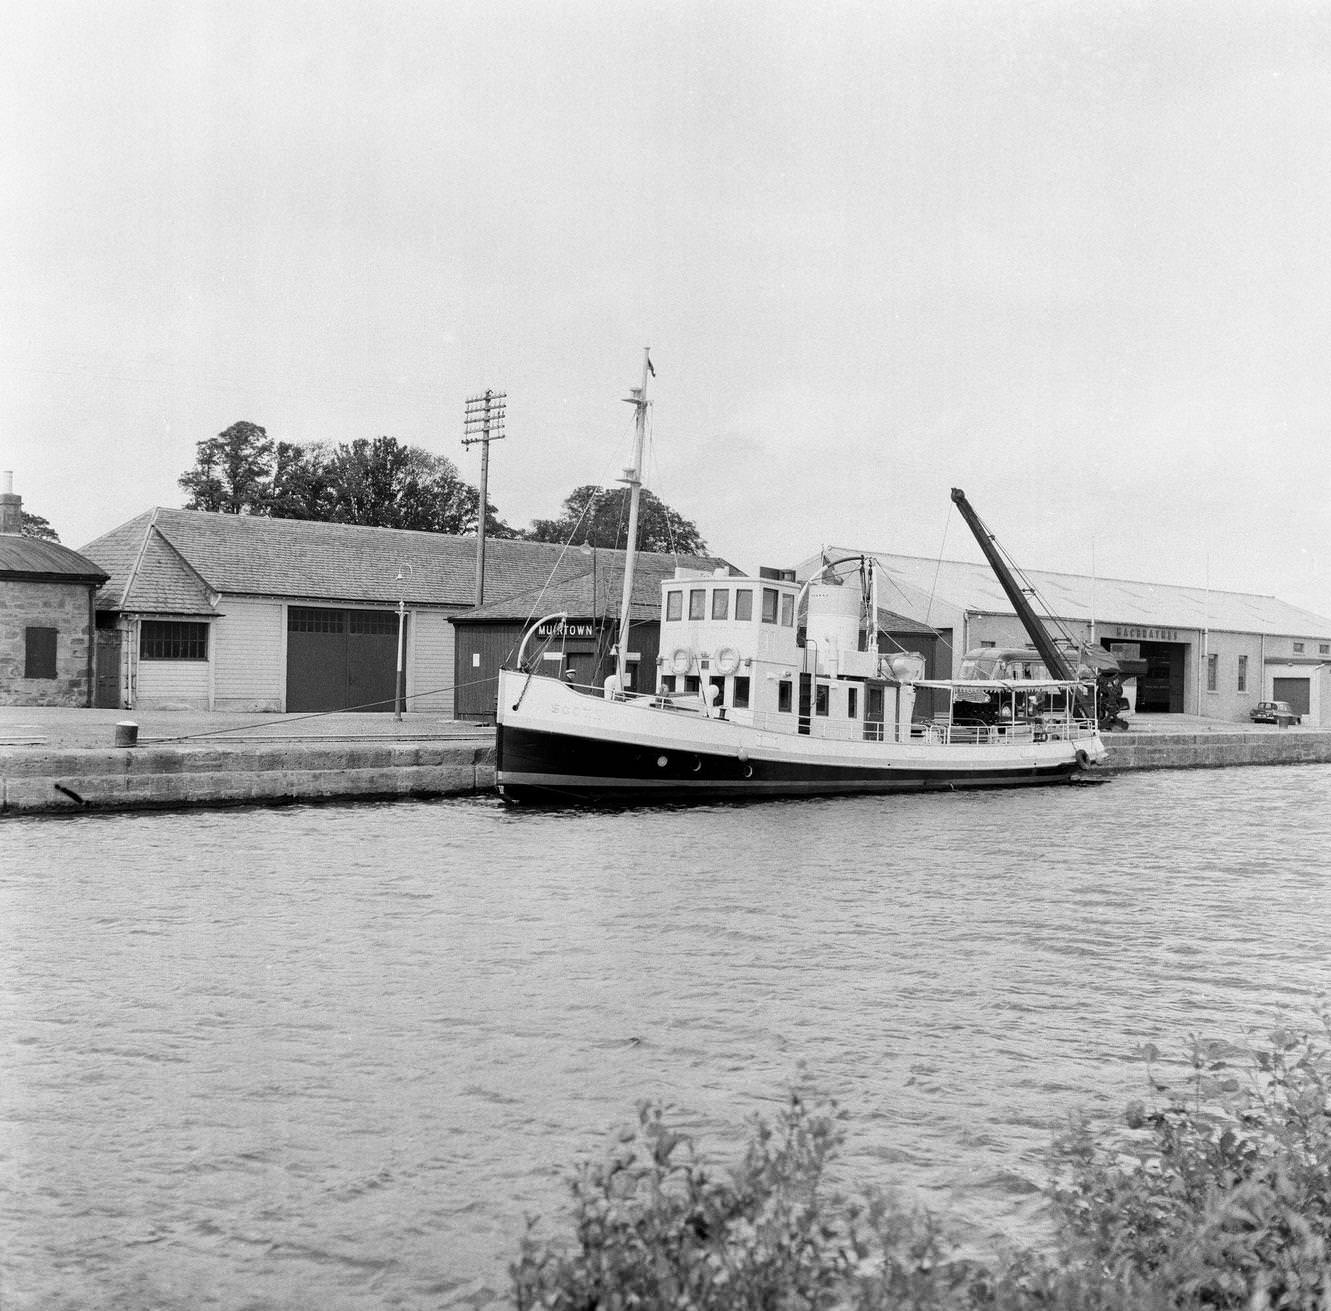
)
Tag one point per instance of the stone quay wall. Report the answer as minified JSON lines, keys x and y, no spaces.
{"x":38,"y":781}
{"x":1163,"y":750}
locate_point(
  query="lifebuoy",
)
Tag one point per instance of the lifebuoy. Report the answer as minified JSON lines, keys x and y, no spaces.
{"x":681,"y":660}
{"x":727,"y":660}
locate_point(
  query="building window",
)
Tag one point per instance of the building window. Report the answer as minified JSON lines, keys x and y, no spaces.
{"x":1212,"y":672}
{"x":787,"y":610}
{"x":821,"y":699}
{"x":741,"y":693}
{"x":769,"y":605}
{"x":167,"y":639}
{"x":39,"y":652}
{"x":300,"y":619}
{"x":721,"y":603}
{"x":743,"y":603}
{"x":698,"y":604}
{"x":674,"y":606}
{"x":783,"y":696}
{"x":852,"y":703}
{"x":1243,"y":673}
{"x":372,"y":621}
{"x":1298,"y":648}
{"x":1324,"y":649}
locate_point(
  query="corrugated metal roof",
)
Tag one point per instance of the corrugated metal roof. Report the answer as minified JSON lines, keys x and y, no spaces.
{"x":169,"y":559}
{"x":973,"y":586}
{"x":31,"y":557}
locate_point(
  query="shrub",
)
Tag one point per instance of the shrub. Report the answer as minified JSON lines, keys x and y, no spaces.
{"x":1217,"y":1196}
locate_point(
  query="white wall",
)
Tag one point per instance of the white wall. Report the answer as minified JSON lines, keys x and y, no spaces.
{"x":249,"y":655}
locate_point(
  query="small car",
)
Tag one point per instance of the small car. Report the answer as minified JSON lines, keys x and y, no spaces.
{"x":1274,"y":712}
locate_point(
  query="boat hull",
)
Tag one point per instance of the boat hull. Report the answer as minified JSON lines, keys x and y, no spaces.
{"x":556,"y":746}
{"x":550,"y":767}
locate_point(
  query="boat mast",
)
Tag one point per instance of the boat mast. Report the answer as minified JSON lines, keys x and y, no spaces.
{"x":633,"y":479}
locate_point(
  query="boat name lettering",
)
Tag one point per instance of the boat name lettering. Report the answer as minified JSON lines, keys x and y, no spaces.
{"x":1147,"y":634}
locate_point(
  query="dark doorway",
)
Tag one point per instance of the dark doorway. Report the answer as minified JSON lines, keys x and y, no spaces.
{"x":1297,"y":691}
{"x":1160,"y":688}
{"x":341,"y":659}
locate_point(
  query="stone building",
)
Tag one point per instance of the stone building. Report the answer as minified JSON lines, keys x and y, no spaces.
{"x":47,"y":616}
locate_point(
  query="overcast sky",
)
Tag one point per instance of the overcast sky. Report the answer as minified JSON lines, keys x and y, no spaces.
{"x":1072,"y":257}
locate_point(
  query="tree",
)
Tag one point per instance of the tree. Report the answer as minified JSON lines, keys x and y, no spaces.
{"x":391,"y":485}
{"x":33,"y":525}
{"x":302,"y":485}
{"x":232,"y":472}
{"x":600,"y":515}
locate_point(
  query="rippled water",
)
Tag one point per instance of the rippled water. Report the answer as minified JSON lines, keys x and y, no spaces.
{"x":329,"y":1057}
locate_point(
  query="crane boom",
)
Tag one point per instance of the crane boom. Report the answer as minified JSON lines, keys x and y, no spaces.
{"x":1054,"y":659}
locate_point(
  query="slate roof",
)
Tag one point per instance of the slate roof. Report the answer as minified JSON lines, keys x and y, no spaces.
{"x":973,"y":586}
{"x":178,"y":561}
{"x":33,"y":559}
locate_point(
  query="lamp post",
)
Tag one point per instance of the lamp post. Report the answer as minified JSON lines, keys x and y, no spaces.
{"x":401,"y":693}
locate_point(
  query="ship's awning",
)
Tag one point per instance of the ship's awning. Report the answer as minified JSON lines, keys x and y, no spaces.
{"x":994,"y":685}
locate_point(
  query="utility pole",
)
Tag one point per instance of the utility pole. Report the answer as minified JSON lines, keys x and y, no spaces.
{"x":484,"y":423}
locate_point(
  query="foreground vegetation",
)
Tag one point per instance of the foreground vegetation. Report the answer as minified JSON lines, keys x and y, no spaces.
{"x":1214,"y":1193}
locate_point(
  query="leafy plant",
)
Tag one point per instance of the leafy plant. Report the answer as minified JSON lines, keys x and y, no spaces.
{"x":1217,"y":1196}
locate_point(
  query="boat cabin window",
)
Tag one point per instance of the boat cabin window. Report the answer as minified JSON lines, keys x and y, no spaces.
{"x":783,"y":698}
{"x":741,"y":699}
{"x":674,"y":605}
{"x":821,"y":699}
{"x":721,"y":603}
{"x":744,"y":603}
{"x":852,"y":703}
{"x":698,"y":604}
{"x":720,"y":685}
{"x":787,"y":611}
{"x":690,"y":683}
{"x":769,"y":605}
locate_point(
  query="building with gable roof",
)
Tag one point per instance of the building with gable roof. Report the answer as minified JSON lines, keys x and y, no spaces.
{"x":239,"y":612}
{"x":1208,"y":652}
{"x":46,"y":615}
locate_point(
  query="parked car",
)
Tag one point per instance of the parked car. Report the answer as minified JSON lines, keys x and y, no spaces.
{"x":1274,"y":712}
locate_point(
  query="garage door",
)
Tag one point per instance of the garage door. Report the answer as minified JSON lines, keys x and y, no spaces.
{"x":341,"y":659}
{"x":1294,"y":690}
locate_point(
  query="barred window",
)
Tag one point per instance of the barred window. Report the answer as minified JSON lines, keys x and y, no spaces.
{"x":372,"y":621}
{"x":170,"y":639}
{"x":307,"y":619}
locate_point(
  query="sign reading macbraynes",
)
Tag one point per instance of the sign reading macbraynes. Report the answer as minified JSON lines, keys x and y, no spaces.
{"x":1146,"y":634}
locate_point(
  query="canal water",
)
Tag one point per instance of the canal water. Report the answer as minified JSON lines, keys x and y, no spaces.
{"x":330,"y":1057}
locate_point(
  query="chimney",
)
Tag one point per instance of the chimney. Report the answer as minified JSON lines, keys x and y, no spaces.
{"x":11,"y":506}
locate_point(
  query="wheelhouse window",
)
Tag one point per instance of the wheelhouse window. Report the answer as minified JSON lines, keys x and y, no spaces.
{"x":822,"y":699}
{"x":1298,"y":648}
{"x":852,"y":703}
{"x":168,"y":639}
{"x":1212,"y":672}
{"x":787,"y":610}
{"x":744,"y":604}
{"x":674,"y":605}
{"x":783,"y":696}
{"x":721,"y":603}
{"x":1243,"y":673}
{"x":770,"y":595}
{"x":698,"y":604}
{"x":39,"y":645}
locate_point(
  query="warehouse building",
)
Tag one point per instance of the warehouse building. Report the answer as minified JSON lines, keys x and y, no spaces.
{"x":1210,"y":653}
{"x":239,"y":612}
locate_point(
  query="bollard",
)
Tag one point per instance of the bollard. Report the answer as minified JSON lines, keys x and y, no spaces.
{"x":127,"y":733}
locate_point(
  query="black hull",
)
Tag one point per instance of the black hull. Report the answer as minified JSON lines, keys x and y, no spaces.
{"x":558,"y":768}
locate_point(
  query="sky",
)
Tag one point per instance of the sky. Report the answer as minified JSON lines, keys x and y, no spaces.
{"x":1074,"y":258}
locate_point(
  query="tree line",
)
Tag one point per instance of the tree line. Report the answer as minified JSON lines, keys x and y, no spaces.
{"x":384,"y":483}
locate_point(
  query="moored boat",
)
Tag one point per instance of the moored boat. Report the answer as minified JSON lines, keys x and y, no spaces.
{"x":768,"y":687}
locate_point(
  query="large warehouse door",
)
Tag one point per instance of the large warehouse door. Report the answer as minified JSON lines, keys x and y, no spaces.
{"x":1160,"y":688}
{"x":341,"y":659}
{"x":1296,"y":691}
